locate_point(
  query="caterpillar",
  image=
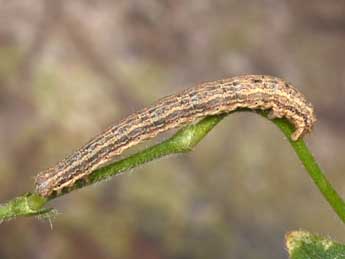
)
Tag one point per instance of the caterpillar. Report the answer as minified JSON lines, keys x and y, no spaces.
{"x":223,"y":96}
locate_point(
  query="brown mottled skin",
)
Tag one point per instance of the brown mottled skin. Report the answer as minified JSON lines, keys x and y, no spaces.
{"x":223,"y":96}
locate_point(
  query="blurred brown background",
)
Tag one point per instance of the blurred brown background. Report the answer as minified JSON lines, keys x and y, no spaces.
{"x":68,"y":69}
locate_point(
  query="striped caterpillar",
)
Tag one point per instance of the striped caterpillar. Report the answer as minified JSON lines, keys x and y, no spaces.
{"x":217,"y":97}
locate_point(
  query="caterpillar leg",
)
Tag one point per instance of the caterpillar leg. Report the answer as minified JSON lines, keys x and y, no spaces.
{"x":299,"y":131}
{"x":297,"y":134}
{"x":274,"y":114}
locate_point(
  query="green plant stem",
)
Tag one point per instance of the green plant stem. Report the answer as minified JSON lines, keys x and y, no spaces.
{"x":26,"y":205}
{"x":314,"y":170}
{"x":183,"y":141}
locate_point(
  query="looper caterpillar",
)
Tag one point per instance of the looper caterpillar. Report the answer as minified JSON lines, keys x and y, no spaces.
{"x":222,"y":96}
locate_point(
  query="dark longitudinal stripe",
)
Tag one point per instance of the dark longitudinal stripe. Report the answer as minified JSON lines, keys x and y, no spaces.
{"x":251,"y":91}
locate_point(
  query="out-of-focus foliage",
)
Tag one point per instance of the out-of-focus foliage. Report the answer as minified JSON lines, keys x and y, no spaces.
{"x":303,"y":245}
{"x":68,"y":69}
